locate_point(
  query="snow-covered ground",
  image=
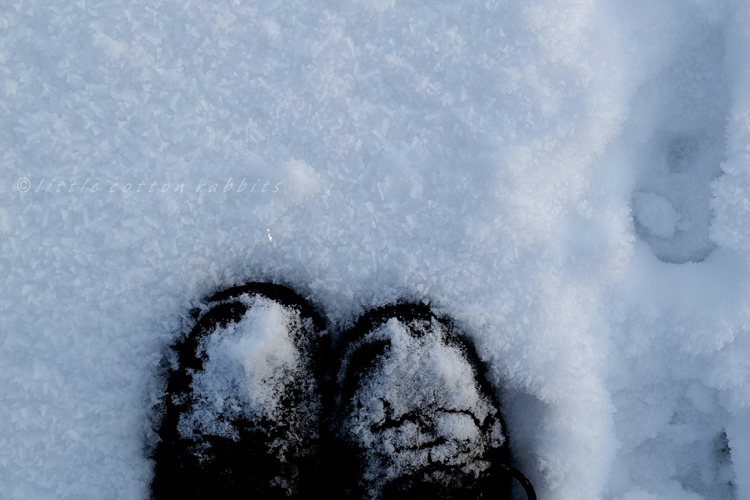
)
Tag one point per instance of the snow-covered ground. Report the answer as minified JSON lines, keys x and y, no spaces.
{"x":570,"y":180}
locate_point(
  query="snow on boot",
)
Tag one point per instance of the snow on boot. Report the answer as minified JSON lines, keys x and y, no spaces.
{"x":243,"y":402}
{"x":416,"y":411}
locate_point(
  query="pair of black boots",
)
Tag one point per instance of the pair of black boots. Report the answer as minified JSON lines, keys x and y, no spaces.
{"x":252,"y":409}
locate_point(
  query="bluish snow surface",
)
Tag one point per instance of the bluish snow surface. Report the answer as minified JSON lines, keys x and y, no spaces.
{"x":568,"y":180}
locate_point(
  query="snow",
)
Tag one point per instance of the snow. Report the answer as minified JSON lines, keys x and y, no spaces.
{"x":655,"y":214}
{"x":567,"y":180}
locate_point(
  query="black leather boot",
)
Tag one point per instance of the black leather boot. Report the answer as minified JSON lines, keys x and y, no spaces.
{"x":243,"y":403}
{"x":415,"y":412}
